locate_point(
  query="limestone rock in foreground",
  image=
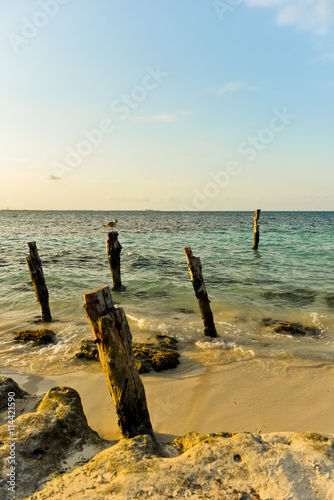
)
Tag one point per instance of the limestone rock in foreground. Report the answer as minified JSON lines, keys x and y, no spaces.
{"x":239,"y":466}
{"x":8,"y":385}
{"x":50,"y":440}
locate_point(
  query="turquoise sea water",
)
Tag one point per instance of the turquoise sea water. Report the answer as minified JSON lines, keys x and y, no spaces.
{"x":290,"y":278}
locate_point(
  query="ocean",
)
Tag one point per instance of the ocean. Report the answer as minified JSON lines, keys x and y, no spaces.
{"x":290,"y":278}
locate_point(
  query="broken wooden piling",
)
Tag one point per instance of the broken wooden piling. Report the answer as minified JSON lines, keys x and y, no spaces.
{"x":114,"y":342}
{"x":195,"y":270}
{"x":256,"y":229}
{"x":113,"y":250}
{"x":38,"y":281}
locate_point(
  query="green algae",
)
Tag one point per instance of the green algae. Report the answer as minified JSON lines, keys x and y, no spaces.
{"x":38,"y":337}
{"x":148,"y":356}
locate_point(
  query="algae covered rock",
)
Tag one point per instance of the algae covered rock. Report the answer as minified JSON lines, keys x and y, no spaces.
{"x":288,"y":328}
{"x":149,"y":358}
{"x":298,"y":329}
{"x":38,"y":337}
{"x":298,"y":297}
{"x":166,"y":341}
{"x":330,"y":300}
{"x":157,"y":356}
{"x":88,"y":350}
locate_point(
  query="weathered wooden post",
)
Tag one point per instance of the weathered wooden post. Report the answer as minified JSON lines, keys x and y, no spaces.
{"x":38,"y":281}
{"x":113,"y":250}
{"x":195,"y":270}
{"x":256,"y":229}
{"x":114,"y":342}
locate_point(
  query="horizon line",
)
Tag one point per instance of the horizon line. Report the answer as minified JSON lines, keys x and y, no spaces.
{"x":143,"y":210}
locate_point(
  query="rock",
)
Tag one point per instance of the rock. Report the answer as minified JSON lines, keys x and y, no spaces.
{"x":88,"y":350}
{"x":299,"y":297}
{"x":291,"y":328}
{"x":58,"y":456}
{"x":184,"y":310}
{"x":145,"y":295}
{"x":8,"y":385}
{"x":298,"y":329}
{"x":148,"y":356}
{"x":157,"y":357}
{"x":48,"y":441}
{"x":238,"y":466}
{"x":330,"y":300}
{"x":38,"y":337}
{"x":269,"y":322}
{"x":143,"y":365}
{"x":166,"y":341}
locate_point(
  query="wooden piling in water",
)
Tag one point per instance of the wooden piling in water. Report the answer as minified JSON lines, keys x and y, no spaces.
{"x":113,"y":250}
{"x":195,"y":270}
{"x":38,"y":281}
{"x":114,"y":342}
{"x":256,"y":229}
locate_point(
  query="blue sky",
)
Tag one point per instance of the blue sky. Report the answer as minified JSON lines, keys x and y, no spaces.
{"x":167,"y":104}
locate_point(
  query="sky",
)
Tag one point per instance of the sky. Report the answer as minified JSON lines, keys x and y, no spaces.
{"x":167,"y":104}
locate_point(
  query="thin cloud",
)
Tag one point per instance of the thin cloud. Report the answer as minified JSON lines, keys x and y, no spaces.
{"x":229,"y":87}
{"x":164,"y":118}
{"x":53,"y":178}
{"x":167,"y":118}
{"x":313,"y":15}
{"x":325,"y":58}
{"x":187,"y":112}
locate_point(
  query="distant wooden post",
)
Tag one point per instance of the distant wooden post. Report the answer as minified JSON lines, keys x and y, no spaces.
{"x":38,"y":281}
{"x":195,"y":270}
{"x":114,"y":342}
{"x":256,"y":229}
{"x":113,"y":250}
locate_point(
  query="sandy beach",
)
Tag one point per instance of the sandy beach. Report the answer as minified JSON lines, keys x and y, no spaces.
{"x":250,"y":395}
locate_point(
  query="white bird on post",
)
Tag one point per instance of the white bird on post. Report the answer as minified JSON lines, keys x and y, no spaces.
{"x":111,"y":224}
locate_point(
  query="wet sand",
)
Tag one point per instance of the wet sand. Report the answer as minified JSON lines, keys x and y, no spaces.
{"x":251,"y":395}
